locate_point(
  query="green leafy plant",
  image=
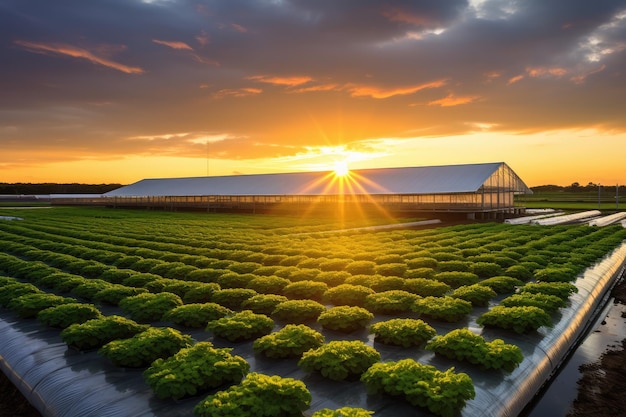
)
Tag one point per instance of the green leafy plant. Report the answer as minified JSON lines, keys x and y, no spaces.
{"x":563,"y":290}
{"x":426,"y":287}
{"x":519,"y":319}
{"x":89,"y":288}
{"x":502,"y":284}
{"x":305,"y":290}
{"x":298,"y":311}
{"x":390,"y":302}
{"x":201,"y":293}
{"x":13,"y":290}
{"x":391,"y":269}
{"x":345,"y":318}
{"x":422,"y":262}
{"x":361,"y":267}
{"x":263,"y":303}
{"x":339,"y":360}
{"x":402,"y":332}
{"x":443,"y":308}
{"x":456,"y":279}
{"x":29,"y":305}
{"x":150,"y":307}
{"x":97,"y":332}
{"x":232,"y":297}
{"x":486,"y":269}
{"x":290,"y":341}
{"x":196,"y":315}
{"x":268,"y":285}
{"x":194,"y":370}
{"x":114,"y":294}
{"x":64,"y":315}
{"x":257,"y":396}
{"x":555,"y":274}
{"x":462,"y":344}
{"x":478,"y":295}
{"x":343,"y":412}
{"x":442,"y":393}
{"x":548,"y":303}
{"x":346,"y":294}
{"x":145,"y":347}
{"x":240,"y":326}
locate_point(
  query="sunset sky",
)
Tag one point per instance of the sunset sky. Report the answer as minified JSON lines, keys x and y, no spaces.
{"x":114,"y":91}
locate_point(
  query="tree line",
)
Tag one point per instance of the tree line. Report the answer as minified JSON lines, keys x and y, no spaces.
{"x":54,"y":188}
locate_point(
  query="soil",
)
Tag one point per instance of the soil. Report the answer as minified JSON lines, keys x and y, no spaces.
{"x":12,"y":402}
{"x":602,"y":385}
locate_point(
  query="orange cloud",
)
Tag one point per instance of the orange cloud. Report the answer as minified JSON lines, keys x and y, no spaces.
{"x":515,"y":79}
{"x":288,"y":81}
{"x":375,"y":92}
{"x":75,"y":52}
{"x":452,"y":100}
{"x":239,"y":92}
{"x":545,"y":71}
{"x":398,"y":15}
{"x":580,"y":78}
{"x":239,"y":28}
{"x":173,"y":44}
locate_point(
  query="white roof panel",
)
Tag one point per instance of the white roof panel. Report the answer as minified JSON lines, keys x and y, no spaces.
{"x":411,"y":180}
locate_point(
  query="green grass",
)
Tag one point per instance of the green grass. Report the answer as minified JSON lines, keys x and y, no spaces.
{"x":572,"y":201}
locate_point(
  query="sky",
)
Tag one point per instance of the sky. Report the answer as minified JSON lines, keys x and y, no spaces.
{"x":114,"y":91}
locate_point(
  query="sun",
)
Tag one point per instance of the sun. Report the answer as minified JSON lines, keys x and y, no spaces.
{"x":341,"y":168}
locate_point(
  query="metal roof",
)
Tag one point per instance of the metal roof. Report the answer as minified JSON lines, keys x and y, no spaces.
{"x":410,"y":180}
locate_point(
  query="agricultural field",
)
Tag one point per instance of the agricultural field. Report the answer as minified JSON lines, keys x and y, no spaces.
{"x":243,"y":315}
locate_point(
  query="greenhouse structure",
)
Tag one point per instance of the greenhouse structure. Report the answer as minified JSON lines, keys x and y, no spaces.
{"x":475,"y":190}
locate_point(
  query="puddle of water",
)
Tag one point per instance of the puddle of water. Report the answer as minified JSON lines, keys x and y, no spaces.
{"x":559,"y":396}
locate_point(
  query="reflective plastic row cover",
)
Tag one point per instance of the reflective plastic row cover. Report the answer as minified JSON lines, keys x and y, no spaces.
{"x":60,"y":381}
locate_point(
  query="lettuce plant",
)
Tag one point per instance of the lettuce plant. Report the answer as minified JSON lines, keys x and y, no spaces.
{"x":548,"y":303}
{"x":298,"y":311}
{"x":478,"y":295}
{"x":343,"y":412}
{"x":258,"y":395}
{"x":150,"y":307}
{"x":442,"y":393}
{"x":305,"y":290}
{"x":64,"y":315}
{"x":345,"y":318}
{"x":426,"y":287}
{"x":502,"y":284}
{"x":402,"y":332}
{"x":240,"y":326}
{"x":263,"y":303}
{"x":13,"y":290}
{"x":145,"y":347}
{"x":97,"y":332}
{"x":455,"y":278}
{"x":340,"y":359}
{"x":290,"y":341}
{"x":346,"y":294}
{"x":29,"y":305}
{"x":519,"y":319}
{"x":194,"y":370}
{"x":196,"y":315}
{"x":114,"y":294}
{"x":563,"y":290}
{"x":232,"y":297}
{"x":443,"y":308}
{"x":390,"y":302}
{"x":464,"y":345}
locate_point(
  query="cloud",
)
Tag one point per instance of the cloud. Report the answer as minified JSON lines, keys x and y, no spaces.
{"x":76,"y":52}
{"x":381,"y":92}
{"x":277,"y":80}
{"x":173,"y":44}
{"x":451,"y":100}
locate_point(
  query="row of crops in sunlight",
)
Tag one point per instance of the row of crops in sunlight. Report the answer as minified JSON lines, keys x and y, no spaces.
{"x":132,"y":286}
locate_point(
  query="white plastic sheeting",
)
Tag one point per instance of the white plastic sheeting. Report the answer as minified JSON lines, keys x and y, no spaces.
{"x":467,"y":178}
{"x":529,"y":219}
{"x":61,"y":382}
{"x":568,"y":218}
{"x":608,"y":220}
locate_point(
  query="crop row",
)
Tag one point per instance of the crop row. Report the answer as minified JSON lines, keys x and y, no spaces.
{"x":224,"y":280}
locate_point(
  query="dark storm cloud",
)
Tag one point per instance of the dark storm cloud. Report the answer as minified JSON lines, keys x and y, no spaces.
{"x":92,"y":75}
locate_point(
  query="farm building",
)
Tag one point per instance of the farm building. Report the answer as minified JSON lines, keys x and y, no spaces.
{"x":475,"y":190}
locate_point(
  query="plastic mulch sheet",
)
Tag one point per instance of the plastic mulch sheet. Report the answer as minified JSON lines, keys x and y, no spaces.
{"x":60,"y":381}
